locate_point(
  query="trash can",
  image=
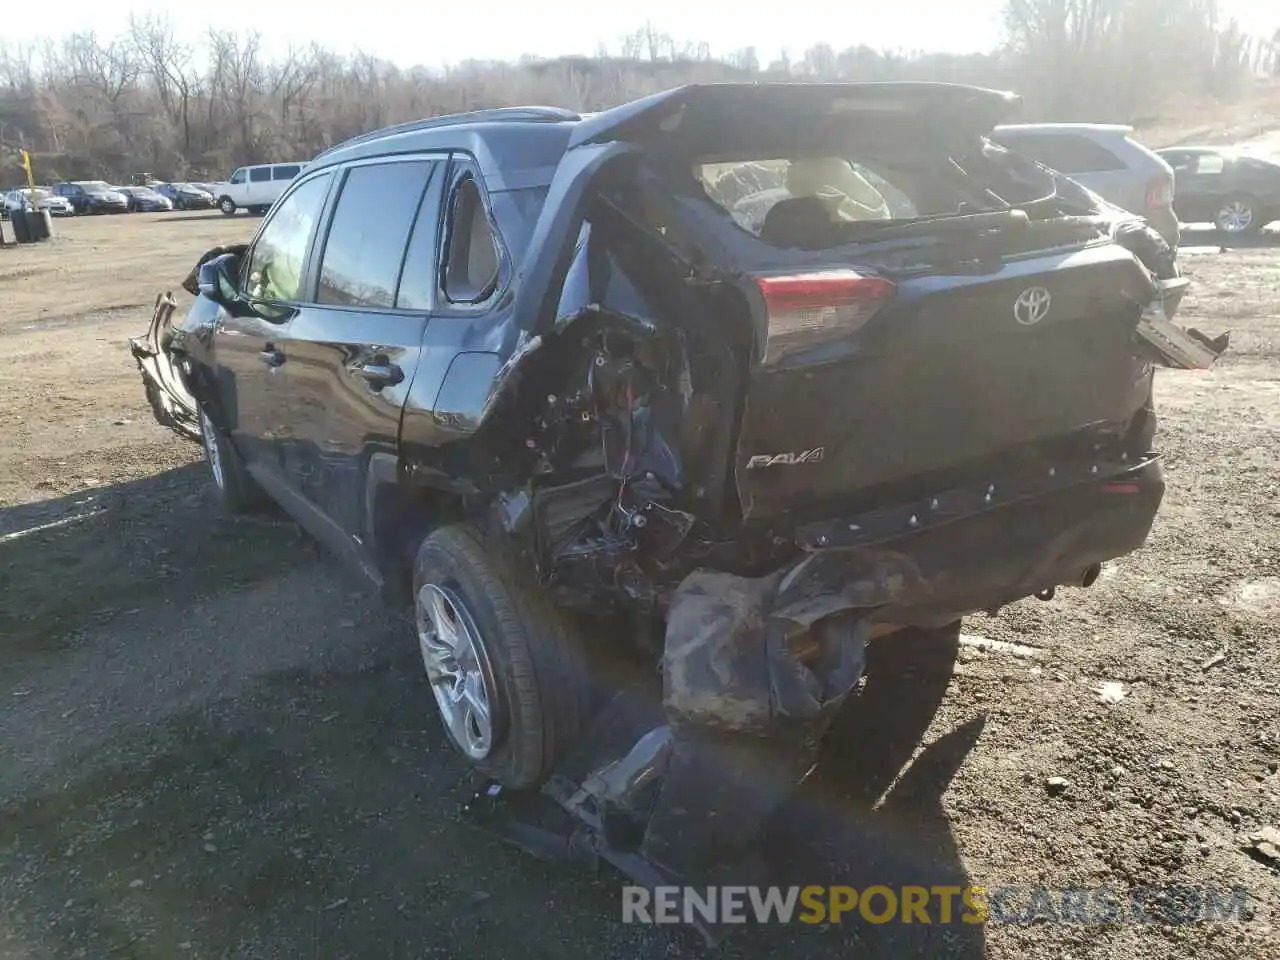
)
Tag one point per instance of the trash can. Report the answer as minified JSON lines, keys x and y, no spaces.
{"x":19,"y":220}
{"x":31,"y":226}
{"x":39,"y":225}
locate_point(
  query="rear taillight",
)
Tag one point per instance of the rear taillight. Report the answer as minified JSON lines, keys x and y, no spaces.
{"x":1160,"y":193}
{"x":810,"y":309}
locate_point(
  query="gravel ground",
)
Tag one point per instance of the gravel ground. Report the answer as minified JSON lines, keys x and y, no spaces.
{"x":215,"y":745}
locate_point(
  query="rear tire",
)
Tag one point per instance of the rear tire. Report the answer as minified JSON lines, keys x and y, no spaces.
{"x":538,"y":701}
{"x":1238,"y":216}
{"x":234,"y":488}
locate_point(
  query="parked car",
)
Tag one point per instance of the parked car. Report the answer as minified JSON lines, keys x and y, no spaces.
{"x":1237,"y":192}
{"x":45,"y":198}
{"x":255,"y":188}
{"x":92,"y":196}
{"x":146,"y":200}
{"x":521,"y":364}
{"x":1105,"y":158}
{"x":186,"y":196}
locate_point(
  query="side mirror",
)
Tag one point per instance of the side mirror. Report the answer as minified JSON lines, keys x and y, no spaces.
{"x":217,"y":279}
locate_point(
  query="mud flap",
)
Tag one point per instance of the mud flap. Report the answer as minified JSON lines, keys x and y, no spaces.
{"x":171,"y":403}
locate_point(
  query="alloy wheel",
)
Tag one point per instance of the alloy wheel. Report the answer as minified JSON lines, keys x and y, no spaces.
{"x":1235,"y":217}
{"x":458,"y":669}
{"x":211,"y":452}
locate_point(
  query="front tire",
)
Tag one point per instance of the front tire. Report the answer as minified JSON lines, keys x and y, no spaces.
{"x":234,"y":489}
{"x":227,"y":206}
{"x":506,"y":666}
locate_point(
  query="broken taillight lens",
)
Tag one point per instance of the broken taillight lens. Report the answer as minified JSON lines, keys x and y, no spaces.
{"x":1160,"y":193}
{"x":810,"y":309}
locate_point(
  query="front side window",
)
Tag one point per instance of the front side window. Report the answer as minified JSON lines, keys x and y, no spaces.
{"x":259,"y":174}
{"x":238,"y":176}
{"x":274,"y":269}
{"x":369,"y":231}
{"x":471,"y":255}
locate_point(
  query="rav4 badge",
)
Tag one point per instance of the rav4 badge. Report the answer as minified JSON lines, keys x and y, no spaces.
{"x":786,"y":459}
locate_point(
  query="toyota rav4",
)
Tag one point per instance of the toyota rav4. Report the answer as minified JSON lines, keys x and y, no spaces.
{"x":750,"y":374}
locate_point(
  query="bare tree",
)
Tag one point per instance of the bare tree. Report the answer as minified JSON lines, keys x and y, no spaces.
{"x":95,"y":107}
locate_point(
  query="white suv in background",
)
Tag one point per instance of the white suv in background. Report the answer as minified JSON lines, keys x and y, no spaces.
{"x":1105,"y":158}
{"x":257,"y":187}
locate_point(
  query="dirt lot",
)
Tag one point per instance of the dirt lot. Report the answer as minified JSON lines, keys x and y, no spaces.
{"x":216,"y":746}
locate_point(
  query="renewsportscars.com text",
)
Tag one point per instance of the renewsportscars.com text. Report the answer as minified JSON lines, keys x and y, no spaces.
{"x":1171,"y":905}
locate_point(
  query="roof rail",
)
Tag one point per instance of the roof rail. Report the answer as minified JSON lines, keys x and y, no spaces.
{"x":491,"y":115}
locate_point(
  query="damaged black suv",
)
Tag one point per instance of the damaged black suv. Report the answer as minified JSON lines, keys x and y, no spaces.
{"x":757,"y":372}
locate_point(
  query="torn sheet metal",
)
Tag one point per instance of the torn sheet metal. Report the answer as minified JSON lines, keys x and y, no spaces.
{"x":746,"y":713}
{"x":728,"y":663}
{"x":171,"y":402}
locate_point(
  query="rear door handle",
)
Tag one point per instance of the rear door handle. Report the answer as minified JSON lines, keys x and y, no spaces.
{"x":381,"y":375}
{"x":271,"y":356}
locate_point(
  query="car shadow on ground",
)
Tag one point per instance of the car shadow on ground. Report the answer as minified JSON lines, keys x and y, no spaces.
{"x":85,"y":558}
{"x":307,"y":803}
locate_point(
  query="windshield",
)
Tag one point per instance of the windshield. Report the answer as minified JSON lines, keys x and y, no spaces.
{"x":98,"y":185}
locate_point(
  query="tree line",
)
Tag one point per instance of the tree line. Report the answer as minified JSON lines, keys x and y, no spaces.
{"x":105,"y":108}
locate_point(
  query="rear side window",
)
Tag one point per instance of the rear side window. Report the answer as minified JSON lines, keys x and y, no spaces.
{"x":369,"y":232}
{"x":259,"y":174}
{"x":285,"y":171}
{"x":1067,"y":153}
{"x":471,"y":256}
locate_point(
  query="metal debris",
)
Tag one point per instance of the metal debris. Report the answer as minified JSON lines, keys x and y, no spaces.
{"x":1216,"y":659}
{"x":1000,"y":646}
{"x":1111,"y":691}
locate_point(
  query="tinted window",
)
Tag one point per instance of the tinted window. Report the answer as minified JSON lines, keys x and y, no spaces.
{"x":258,"y":174}
{"x":237,"y":177}
{"x":285,"y":171}
{"x":1066,"y":153}
{"x":369,"y":231}
{"x":418,"y":279}
{"x":274,"y":271}
{"x":471,"y":257}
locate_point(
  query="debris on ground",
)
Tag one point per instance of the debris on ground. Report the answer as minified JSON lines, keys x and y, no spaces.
{"x":1111,"y":691}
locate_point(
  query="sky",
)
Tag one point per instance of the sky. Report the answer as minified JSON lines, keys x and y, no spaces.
{"x":437,"y":34}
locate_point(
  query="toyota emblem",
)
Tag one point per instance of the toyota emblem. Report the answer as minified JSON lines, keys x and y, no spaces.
{"x":1032,"y":305}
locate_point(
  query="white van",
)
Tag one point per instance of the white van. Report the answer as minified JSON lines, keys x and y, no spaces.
{"x":256,"y":188}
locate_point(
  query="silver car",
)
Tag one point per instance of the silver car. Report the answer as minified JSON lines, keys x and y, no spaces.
{"x":20,"y":198}
{"x":1105,"y":158}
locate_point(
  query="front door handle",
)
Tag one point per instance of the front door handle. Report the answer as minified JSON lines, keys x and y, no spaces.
{"x":271,"y":356}
{"x":381,"y":375}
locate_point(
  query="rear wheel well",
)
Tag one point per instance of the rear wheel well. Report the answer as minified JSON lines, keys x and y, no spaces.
{"x":400,"y":518}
